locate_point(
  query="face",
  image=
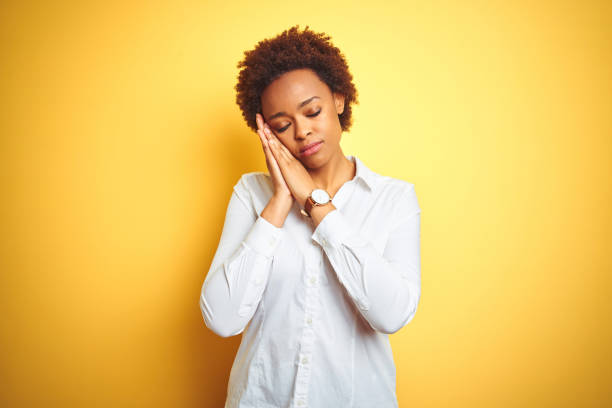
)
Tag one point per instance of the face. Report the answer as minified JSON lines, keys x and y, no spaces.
{"x":301,"y":109}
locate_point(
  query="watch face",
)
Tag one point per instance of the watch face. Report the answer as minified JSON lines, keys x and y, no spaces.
{"x":320,"y":196}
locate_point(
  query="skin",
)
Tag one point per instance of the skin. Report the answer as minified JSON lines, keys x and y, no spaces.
{"x":284,"y":128}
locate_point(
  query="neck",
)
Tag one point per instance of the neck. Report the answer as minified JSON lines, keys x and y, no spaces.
{"x":330,"y":177}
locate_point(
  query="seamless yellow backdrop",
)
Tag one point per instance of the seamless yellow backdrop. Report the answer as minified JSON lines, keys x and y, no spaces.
{"x":121,"y":142}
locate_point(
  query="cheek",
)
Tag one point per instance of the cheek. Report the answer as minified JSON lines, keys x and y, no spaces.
{"x":286,"y":139}
{"x":330,"y":128}
{"x":330,"y":118}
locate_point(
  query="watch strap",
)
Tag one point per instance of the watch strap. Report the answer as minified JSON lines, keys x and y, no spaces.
{"x":309,"y":204}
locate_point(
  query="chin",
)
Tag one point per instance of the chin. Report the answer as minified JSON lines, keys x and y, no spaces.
{"x":313,"y":162}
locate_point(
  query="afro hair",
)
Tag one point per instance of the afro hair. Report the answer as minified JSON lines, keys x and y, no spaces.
{"x":288,"y":51}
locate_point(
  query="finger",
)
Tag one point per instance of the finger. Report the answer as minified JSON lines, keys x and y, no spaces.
{"x":285,"y":152}
{"x":277,"y":166}
{"x":264,"y":142}
{"x":272,"y":137}
{"x":274,"y":145}
{"x":282,"y":150}
{"x":272,"y":142}
{"x":273,"y":162}
{"x":270,"y":160}
{"x":266,"y":146}
{"x":268,"y":131}
{"x":264,"y":132}
{"x":271,"y":134}
{"x":259,"y":120}
{"x":273,"y":166}
{"x":261,"y":136}
{"x":274,"y":148}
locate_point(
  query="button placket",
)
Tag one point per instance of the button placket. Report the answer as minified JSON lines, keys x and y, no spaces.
{"x":307,"y":339}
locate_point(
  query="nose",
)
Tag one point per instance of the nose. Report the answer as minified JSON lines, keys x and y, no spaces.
{"x":302,"y":129}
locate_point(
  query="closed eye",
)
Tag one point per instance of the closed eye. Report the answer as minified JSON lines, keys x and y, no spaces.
{"x":281,"y":130}
{"x":312,"y":115}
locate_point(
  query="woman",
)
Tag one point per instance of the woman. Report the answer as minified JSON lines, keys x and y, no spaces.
{"x":319,"y":260}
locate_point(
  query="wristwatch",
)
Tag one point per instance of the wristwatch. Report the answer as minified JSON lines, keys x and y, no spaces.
{"x":317,"y":197}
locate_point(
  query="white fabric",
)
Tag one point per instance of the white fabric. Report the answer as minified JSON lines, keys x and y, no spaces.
{"x":316,"y":306}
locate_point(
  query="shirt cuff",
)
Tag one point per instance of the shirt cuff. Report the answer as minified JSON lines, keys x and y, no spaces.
{"x":263,"y":237}
{"x":333,"y":230}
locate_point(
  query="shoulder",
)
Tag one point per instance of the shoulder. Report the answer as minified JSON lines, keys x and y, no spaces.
{"x":250,"y":181}
{"x":254,"y":188}
{"x":400,"y":192}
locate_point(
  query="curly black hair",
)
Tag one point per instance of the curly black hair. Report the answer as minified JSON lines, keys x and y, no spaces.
{"x":288,"y":51}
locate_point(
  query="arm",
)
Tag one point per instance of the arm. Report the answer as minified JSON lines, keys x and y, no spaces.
{"x":386,"y":289}
{"x":239,"y":271}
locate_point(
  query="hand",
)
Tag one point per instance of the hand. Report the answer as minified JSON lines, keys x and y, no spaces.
{"x":280,"y":187}
{"x":293,"y":171}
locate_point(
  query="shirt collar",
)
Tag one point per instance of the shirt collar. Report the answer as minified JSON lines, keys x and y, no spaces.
{"x":363,"y":173}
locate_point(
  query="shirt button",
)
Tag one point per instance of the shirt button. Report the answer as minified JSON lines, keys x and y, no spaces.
{"x":305,"y":360}
{"x":309,"y":320}
{"x":313,"y":280}
{"x":301,"y":402}
{"x":258,"y":281}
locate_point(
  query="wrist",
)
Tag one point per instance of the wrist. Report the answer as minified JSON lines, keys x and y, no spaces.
{"x":277,"y":210}
{"x":319,"y":212}
{"x":282,"y":199}
{"x":316,"y":198}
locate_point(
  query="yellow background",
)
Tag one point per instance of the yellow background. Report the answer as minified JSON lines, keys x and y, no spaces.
{"x":121,"y":142}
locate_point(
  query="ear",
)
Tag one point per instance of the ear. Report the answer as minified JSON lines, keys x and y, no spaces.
{"x":339,"y":102}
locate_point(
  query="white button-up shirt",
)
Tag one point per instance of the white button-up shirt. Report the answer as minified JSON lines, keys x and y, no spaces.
{"x":316,"y":305}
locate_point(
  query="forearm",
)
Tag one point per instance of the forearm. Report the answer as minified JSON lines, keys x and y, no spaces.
{"x":237,"y":277}
{"x":386,"y":293}
{"x":319,"y":212}
{"x":233,"y":290}
{"x":277,"y":209}
{"x":385,"y":287}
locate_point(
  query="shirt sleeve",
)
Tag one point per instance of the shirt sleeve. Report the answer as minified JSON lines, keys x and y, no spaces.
{"x":240,"y":268}
{"x":385,"y":288}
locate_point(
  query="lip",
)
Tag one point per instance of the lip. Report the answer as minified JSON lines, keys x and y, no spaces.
{"x":311,"y":148}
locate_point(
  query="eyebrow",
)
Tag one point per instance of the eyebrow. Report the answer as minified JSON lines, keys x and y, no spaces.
{"x":277,"y":114}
